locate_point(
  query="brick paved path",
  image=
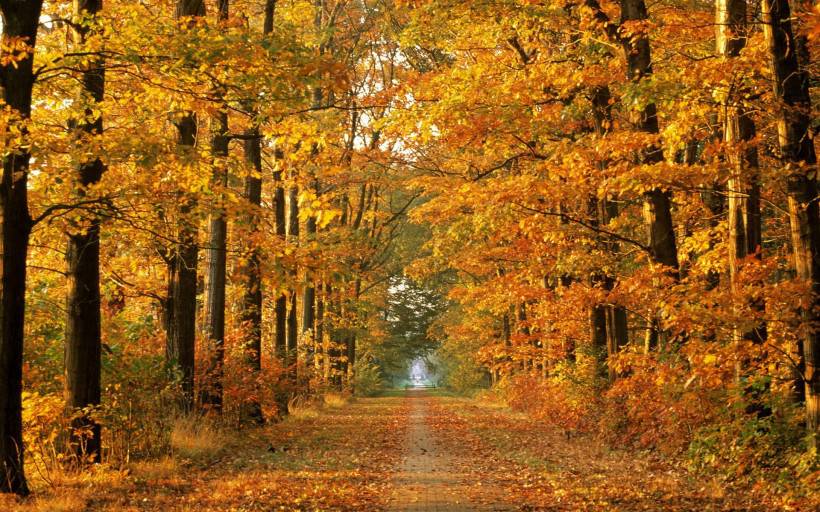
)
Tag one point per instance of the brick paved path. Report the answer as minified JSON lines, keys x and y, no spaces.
{"x":429,"y":479}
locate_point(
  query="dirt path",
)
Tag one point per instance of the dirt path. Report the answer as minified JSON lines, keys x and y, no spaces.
{"x":462,"y":455}
{"x":415,"y":451}
{"x":431,"y":476}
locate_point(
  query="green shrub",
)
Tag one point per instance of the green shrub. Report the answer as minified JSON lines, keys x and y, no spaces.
{"x":368,"y":378}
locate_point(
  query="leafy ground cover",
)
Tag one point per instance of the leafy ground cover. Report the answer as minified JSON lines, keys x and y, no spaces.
{"x":544,"y":469}
{"x":333,"y":458}
{"x":348,"y":456}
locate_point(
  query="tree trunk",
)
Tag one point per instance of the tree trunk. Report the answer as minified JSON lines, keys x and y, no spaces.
{"x":292,"y":344}
{"x":251,"y":270}
{"x":333,"y":301}
{"x":83,"y":323}
{"x":745,"y":232}
{"x":281,"y":304}
{"x":657,"y":202}
{"x":212,"y":388}
{"x":319,"y":353}
{"x":183,"y":319}
{"x":791,"y":89}
{"x":351,"y":339}
{"x":612,"y":324}
{"x":309,"y":292}
{"x":20,"y":20}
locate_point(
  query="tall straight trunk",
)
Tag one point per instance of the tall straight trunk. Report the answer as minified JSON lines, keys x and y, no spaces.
{"x":657,"y":202}
{"x":791,"y":88}
{"x":186,"y":252}
{"x":745,"y":233}
{"x":597,"y":321}
{"x":83,"y":323}
{"x":617,"y":332}
{"x":217,"y":251}
{"x":323,"y":333}
{"x":20,"y":20}
{"x":351,"y":340}
{"x":281,"y":304}
{"x":285,"y":327}
{"x":319,"y":353}
{"x":292,"y":344}
{"x":334,"y":305}
{"x":610,"y":323}
{"x":251,"y":270}
{"x":168,"y":301}
{"x":309,"y":292}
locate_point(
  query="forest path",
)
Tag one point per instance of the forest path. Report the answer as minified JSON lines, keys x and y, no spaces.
{"x":431,"y":477}
{"x":408,"y":451}
{"x":463,"y":454}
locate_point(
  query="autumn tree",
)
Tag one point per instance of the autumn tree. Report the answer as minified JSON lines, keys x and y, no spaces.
{"x":20,"y":23}
{"x":186,"y":248}
{"x":83,"y":324}
{"x":799,"y":160}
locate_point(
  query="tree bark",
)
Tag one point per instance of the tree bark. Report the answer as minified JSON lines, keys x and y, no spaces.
{"x":212,"y":387}
{"x":745,"y":232}
{"x":657,"y":202}
{"x":309,"y":292}
{"x":251,"y":270}
{"x":281,"y":305}
{"x":791,"y":89}
{"x":292,"y":344}
{"x":608,"y":322}
{"x":20,"y":20}
{"x":83,"y":323}
{"x":351,"y":340}
{"x":186,"y":252}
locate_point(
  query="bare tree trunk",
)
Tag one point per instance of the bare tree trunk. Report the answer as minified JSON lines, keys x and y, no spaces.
{"x":797,"y":152}
{"x":611,"y":322}
{"x":745,"y":232}
{"x":351,"y":340}
{"x":319,"y":353}
{"x":280,"y":221}
{"x":83,"y":323}
{"x":292,"y":345}
{"x":309,"y":293}
{"x":212,"y":387}
{"x":20,"y":20}
{"x":657,"y":202}
{"x":183,"y":320}
{"x":251,"y":270}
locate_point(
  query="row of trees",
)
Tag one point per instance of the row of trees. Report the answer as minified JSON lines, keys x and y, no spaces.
{"x":628,"y":194}
{"x":211,"y":173}
{"x":620,"y":202}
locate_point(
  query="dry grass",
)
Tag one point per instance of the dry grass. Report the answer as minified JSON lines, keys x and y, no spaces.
{"x":153,"y":470}
{"x":303,"y":408}
{"x":66,"y":501}
{"x":196,"y":438}
{"x":68,"y":490}
{"x":336,"y":400}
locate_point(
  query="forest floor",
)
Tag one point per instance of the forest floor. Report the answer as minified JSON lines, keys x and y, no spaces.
{"x":414,"y":451}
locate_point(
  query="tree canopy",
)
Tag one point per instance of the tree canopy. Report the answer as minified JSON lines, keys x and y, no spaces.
{"x":605,"y":210}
